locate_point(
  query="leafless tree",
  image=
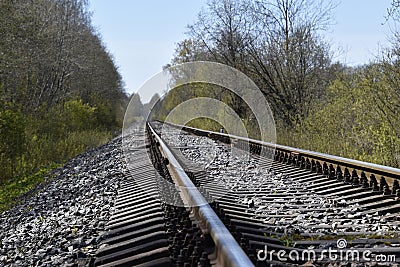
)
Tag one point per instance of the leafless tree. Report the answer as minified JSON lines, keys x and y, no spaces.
{"x":278,"y":43}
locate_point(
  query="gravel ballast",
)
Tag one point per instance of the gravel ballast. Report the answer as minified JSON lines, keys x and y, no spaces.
{"x":306,"y":211}
{"x":62,"y":222}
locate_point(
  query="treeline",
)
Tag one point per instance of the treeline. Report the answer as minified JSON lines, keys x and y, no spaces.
{"x":60,"y":90}
{"x":318,"y":104}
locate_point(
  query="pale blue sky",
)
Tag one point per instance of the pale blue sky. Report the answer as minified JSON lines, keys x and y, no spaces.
{"x":141,"y":34}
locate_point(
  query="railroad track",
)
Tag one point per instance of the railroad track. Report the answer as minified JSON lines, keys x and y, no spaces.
{"x":274,"y":206}
{"x":147,"y":231}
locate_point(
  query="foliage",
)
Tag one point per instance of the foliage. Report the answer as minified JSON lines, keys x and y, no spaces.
{"x":136,"y":111}
{"x":60,"y":90}
{"x":205,"y":93}
{"x":318,"y":105}
{"x":12,"y":138}
{"x":353,"y":123}
{"x":78,"y":116}
{"x":206,"y":124}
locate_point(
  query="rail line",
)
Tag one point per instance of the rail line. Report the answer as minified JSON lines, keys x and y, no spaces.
{"x":145,"y":231}
{"x":303,"y":203}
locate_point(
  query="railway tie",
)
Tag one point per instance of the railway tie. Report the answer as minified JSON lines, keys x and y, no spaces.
{"x":301,"y":203}
{"x":145,"y":230}
{"x":255,"y":227}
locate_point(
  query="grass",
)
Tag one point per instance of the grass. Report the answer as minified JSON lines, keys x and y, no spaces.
{"x":12,"y":189}
{"x":42,"y":151}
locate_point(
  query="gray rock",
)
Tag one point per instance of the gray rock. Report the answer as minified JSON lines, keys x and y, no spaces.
{"x":63,"y":214}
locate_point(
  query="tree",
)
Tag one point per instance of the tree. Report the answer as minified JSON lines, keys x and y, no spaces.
{"x":393,"y":10}
{"x":136,"y":110}
{"x":290,"y":60}
{"x":149,"y":109}
{"x":190,"y":50}
{"x":56,"y":77}
{"x":355,"y":122}
{"x":276,"y":43}
{"x":225,"y":29}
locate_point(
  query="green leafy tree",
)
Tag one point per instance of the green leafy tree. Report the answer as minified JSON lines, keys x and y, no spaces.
{"x":60,"y":89}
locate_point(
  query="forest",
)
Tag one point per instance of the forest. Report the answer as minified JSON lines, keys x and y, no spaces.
{"x":318,"y":103}
{"x":60,"y":90}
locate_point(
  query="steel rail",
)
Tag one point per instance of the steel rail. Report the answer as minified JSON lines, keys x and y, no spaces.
{"x":228,"y":251}
{"x":345,"y":162}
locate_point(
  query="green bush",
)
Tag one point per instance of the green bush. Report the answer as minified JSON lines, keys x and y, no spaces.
{"x":44,"y":139}
{"x":78,"y":116}
{"x":79,"y":141}
{"x":356,"y":122}
{"x":12,"y":141}
{"x":12,"y":189}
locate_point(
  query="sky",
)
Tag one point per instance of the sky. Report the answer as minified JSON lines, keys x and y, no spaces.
{"x":142,"y":34}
